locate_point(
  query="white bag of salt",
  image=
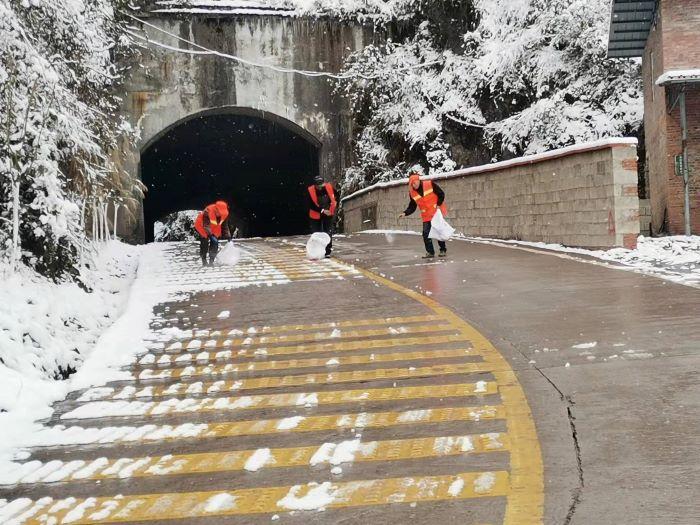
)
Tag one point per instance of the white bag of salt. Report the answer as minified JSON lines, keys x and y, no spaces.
{"x":440,"y":230}
{"x":316,"y":245}
{"x":229,"y":255}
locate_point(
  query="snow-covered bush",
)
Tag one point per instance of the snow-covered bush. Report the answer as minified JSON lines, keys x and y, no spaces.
{"x":176,"y":226}
{"x":57,"y":128}
{"x":504,"y":78}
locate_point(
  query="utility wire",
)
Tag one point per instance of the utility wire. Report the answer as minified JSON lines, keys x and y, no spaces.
{"x":206,"y":51}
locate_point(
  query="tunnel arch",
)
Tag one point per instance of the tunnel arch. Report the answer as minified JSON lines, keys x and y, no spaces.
{"x":257,"y":161}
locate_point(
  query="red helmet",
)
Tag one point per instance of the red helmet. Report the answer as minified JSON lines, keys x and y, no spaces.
{"x":221,"y":207}
{"x":413,"y":178}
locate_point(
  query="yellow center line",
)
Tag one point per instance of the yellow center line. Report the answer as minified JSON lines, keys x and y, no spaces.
{"x":290,"y":364}
{"x":254,"y":460}
{"x":256,"y":402}
{"x":191,"y":505}
{"x":329,"y":378}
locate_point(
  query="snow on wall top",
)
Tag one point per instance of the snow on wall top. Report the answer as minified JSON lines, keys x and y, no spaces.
{"x":234,"y":7}
{"x":679,"y":76}
{"x":519,"y":161}
{"x":361,"y":9}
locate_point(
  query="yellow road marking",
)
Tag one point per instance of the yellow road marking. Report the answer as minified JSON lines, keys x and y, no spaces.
{"x":329,"y":325}
{"x":190,"y":505}
{"x":357,"y":420}
{"x":526,"y":497}
{"x":256,"y":340}
{"x":344,"y":345}
{"x":262,"y":366}
{"x":330,"y":378}
{"x":255,"y":402}
{"x":237,"y":460}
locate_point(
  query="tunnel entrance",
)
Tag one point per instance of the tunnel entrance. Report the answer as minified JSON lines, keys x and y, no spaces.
{"x":260,"y":165}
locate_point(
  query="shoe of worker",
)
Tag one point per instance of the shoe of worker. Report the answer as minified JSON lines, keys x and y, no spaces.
{"x":428,"y":256}
{"x":443,"y":253}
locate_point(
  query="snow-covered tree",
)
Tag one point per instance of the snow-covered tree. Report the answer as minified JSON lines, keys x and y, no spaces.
{"x":512,"y":77}
{"x":58,"y":127}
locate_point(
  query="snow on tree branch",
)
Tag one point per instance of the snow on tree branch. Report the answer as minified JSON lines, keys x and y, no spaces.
{"x":57,"y":72}
{"x":519,"y":77}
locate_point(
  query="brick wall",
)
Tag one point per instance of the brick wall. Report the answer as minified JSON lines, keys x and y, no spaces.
{"x":581,"y":196}
{"x":655,"y":126}
{"x":674,"y":43}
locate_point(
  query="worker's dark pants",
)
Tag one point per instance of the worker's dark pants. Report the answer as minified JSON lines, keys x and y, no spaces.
{"x":429,"y":242}
{"x":325,"y":225}
{"x":207,"y":246}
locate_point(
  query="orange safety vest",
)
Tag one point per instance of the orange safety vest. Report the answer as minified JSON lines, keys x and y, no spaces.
{"x":314,"y":198}
{"x":427,"y":203}
{"x":217,"y":213}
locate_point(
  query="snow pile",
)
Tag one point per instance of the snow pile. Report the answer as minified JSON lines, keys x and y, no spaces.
{"x":510,"y":78}
{"x":48,"y":329}
{"x":177,"y":226}
{"x":676,"y":258}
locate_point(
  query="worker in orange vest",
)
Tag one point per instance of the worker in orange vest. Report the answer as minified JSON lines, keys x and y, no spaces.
{"x":322,"y":204}
{"x":212,"y":224}
{"x":427,"y":196}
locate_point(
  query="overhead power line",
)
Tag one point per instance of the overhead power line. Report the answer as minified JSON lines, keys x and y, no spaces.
{"x":202,"y":50}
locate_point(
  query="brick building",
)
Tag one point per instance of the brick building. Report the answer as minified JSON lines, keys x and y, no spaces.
{"x":666,"y":34}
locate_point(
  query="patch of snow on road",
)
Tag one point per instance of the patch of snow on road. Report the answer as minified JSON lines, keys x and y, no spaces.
{"x":336,"y":453}
{"x":289,"y":423}
{"x":480,"y":387}
{"x":224,"y":314}
{"x":220,"y":502}
{"x":484,"y":482}
{"x":307,"y":400}
{"x":456,"y":487}
{"x":414,"y":415}
{"x":308,"y":497}
{"x":259,"y":459}
{"x":583,"y":346}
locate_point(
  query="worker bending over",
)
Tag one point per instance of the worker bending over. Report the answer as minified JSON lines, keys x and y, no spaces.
{"x":322,"y":204}
{"x":211,"y":225}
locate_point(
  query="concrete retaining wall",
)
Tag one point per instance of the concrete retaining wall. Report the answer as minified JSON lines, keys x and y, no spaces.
{"x":584,"y":195}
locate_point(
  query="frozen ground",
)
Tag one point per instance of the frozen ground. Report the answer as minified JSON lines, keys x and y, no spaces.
{"x":675,"y":258}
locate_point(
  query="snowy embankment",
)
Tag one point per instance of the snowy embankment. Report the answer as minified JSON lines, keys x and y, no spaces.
{"x":674,"y":258}
{"x":48,"y":330}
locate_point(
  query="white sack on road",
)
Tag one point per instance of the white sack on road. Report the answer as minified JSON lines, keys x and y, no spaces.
{"x":229,"y":255}
{"x":440,"y":230}
{"x":316,"y":245}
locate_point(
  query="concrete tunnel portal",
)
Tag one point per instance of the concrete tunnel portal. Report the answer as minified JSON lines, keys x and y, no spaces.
{"x":259,"y":163}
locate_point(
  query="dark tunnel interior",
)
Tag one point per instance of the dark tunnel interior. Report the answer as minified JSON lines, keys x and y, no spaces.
{"x":260,"y":167}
